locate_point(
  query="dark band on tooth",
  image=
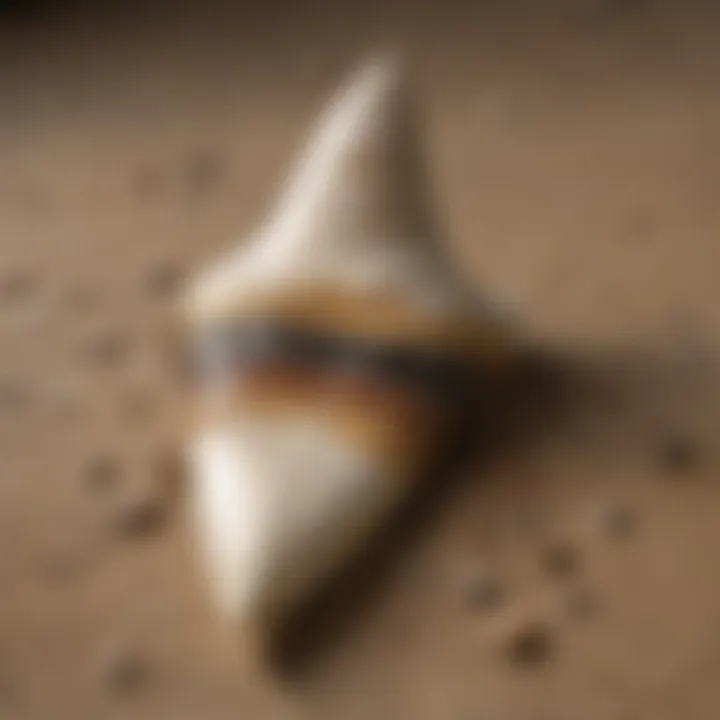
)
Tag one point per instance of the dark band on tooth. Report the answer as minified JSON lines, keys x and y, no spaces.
{"x":232,"y":349}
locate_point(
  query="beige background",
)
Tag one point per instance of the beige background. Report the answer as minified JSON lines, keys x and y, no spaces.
{"x":575,"y":145}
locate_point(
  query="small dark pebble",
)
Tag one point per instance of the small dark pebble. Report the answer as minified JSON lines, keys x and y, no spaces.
{"x":137,"y":404}
{"x":204,"y":171}
{"x":123,"y":670}
{"x":164,"y":277}
{"x":139,"y":515}
{"x":530,"y":645}
{"x":582,"y":604}
{"x":15,"y":286}
{"x":561,"y":561}
{"x":62,"y":564}
{"x":14,"y":394}
{"x":484,"y":592}
{"x":678,"y":455}
{"x":81,"y":299}
{"x":617,"y":520}
{"x":108,"y":349}
{"x":102,"y":472}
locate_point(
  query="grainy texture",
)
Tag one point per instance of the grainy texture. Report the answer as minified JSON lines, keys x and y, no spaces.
{"x":575,"y":151}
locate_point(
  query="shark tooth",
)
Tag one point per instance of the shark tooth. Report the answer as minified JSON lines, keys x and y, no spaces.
{"x":334,"y":350}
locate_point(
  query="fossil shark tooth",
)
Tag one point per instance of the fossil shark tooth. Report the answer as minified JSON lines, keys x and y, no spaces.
{"x":334,"y":348}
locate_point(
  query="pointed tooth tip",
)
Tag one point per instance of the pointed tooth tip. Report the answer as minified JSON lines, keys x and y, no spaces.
{"x":383,"y":73}
{"x":383,"y":65}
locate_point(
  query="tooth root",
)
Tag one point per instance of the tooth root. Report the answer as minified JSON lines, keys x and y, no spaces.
{"x":280,"y":501}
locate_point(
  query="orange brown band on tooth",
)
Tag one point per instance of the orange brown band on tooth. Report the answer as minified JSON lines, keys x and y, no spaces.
{"x":402,"y":401}
{"x":398,"y":380}
{"x":393,"y":420}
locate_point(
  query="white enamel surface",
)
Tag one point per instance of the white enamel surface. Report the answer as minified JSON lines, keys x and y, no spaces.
{"x":279,"y":503}
{"x":355,"y":212}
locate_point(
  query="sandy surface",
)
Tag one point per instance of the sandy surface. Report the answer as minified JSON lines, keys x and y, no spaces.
{"x":575,"y":574}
